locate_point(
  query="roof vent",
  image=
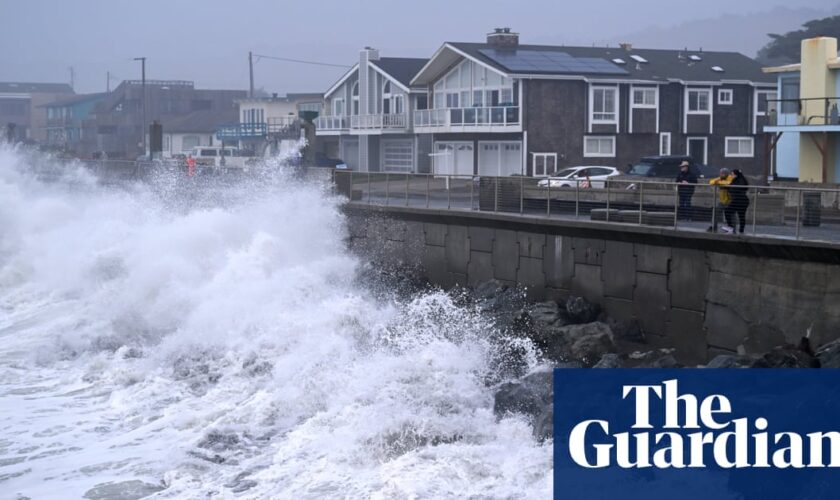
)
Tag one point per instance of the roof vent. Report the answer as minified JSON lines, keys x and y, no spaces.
{"x":695,"y":57}
{"x":717,"y":68}
{"x":638,"y":58}
{"x":626,"y":46}
{"x":619,"y":60}
{"x":503,"y":37}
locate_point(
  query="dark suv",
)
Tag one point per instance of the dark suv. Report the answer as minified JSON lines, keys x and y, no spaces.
{"x":663,"y":166}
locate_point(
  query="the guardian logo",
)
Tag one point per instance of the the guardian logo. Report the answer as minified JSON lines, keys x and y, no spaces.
{"x":693,"y":430}
{"x":697,"y":434}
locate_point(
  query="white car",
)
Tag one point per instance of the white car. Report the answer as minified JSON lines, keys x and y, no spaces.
{"x":574,"y":176}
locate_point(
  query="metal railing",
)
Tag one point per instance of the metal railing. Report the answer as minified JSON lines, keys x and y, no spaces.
{"x":379,"y":121}
{"x":467,"y":117}
{"x":817,"y":111}
{"x":774,"y":212}
{"x":332,"y":123}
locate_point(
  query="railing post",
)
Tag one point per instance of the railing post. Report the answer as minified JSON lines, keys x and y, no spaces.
{"x":577,"y":198}
{"x":641,"y":200}
{"x":406,"y":188}
{"x":798,"y":211}
{"x":387,"y":190}
{"x":521,"y":195}
{"x":495,"y":194}
{"x":548,"y":199}
{"x":676,"y":204}
{"x":472,"y":192}
{"x":428,"y":180}
{"x":609,"y":190}
{"x":714,"y":208}
{"x":448,"y":192}
{"x":370,"y":194}
{"x":756,"y":195}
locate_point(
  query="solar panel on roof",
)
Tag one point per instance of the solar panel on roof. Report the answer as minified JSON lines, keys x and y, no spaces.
{"x":638,"y":58}
{"x":544,"y":61}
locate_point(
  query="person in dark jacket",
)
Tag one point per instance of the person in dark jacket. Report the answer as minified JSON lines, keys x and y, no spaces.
{"x":740,"y":201}
{"x":685,"y":189}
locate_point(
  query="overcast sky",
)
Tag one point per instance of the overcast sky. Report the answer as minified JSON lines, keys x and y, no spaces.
{"x":208,"y":41}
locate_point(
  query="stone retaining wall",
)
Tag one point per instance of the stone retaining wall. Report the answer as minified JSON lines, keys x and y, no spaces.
{"x":697,"y":293}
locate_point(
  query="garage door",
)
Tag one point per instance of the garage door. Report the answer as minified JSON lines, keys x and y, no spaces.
{"x":454,"y":158}
{"x":398,"y":155}
{"x":499,"y":158}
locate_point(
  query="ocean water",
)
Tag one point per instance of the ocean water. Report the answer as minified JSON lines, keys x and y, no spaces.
{"x":165,"y":340}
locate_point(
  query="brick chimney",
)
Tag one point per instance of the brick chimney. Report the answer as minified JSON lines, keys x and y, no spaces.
{"x":503,"y":38}
{"x":626,"y":46}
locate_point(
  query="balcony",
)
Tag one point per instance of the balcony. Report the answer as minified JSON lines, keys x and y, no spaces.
{"x":819,"y":114}
{"x":332,"y":125}
{"x":379,"y":122}
{"x":492,"y":119}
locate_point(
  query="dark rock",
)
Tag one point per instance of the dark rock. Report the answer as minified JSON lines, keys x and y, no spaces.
{"x":546,"y":314}
{"x":581,"y":311}
{"x":630,"y":331}
{"x":584,"y":343}
{"x":531,"y":396}
{"x":731,"y":361}
{"x":786,"y":357}
{"x":489,"y":289}
{"x":660,"y":358}
{"x":829,"y":355}
{"x":610,"y":360}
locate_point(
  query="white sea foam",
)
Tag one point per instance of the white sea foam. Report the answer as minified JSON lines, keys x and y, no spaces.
{"x":154,"y":342}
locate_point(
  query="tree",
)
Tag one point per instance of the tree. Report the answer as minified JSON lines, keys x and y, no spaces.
{"x":784,"y":49}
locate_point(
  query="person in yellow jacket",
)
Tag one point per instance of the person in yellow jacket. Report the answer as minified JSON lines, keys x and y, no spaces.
{"x":724,"y":199}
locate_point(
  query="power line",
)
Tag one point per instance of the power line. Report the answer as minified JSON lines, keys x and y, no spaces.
{"x":300,"y":61}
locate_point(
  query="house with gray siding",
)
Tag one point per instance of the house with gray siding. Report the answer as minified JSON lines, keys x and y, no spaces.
{"x":366,"y":120}
{"x":505,"y":108}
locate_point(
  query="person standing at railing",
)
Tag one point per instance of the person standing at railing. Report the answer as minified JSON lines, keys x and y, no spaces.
{"x":190,"y":166}
{"x":739,"y":200}
{"x":724,"y":199}
{"x":685,"y":189}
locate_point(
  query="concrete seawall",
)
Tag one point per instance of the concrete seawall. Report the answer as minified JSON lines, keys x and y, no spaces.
{"x":703,"y":294}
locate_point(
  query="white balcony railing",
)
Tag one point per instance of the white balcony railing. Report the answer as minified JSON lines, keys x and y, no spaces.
{"x":498,"y":116}
{"x":332,"y":123}
{"x":379,"y":121}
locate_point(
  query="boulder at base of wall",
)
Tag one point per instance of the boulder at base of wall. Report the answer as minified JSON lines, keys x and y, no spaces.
{"x":531,"y":396}
{"x":584,"y":343}
{"x":786,"y":357}
{"x":660,"y":358}
{"x":580,"y":311}
{"x":731,"y":361}
{"x":829,"y":355}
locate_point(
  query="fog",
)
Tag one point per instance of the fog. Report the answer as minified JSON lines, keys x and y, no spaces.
{"x":208,"y":42}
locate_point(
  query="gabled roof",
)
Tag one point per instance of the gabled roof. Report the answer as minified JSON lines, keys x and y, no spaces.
{"x":35,"y":88}
{"x":654,"y":65}
{"x":401,"y":69}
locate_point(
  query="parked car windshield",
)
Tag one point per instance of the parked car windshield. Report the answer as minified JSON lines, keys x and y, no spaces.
{"x":640,"y":169}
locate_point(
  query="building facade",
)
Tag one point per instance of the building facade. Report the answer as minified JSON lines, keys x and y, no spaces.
{"x":22,"y":112}
{"x":64,"y":120}
{"x":115,"y":125}
{"x":804,"y":132}
{"x":367,"y":118}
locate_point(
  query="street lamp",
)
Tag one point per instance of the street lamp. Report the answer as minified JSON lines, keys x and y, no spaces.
{"x":143,"y":84}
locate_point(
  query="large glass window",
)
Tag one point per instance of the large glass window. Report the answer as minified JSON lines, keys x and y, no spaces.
{"x":599,"y":146}
{"x":790,"y":93}
{"x":739,"y":147}
{"x":644,"y":98}
{"x":604,"y":105}
{"x":544,"y":164}
{"x":473,"y":86}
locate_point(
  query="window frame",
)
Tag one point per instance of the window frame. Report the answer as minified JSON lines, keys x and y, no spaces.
{"x":663,"y":135}
{"x":725,"y":102}
{"x":729,"y":154}
{"x":545,"y":157}
{"x":602,"y":121}
{"x":643,"y":105}
{"x":689,"y":111}
{"x":589,"y":154}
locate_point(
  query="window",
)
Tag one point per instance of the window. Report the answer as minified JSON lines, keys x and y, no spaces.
{"x":739,"y":147}
{"x":604,"y":105}
{"x":452,"y":100}
{"x":355,"y":96}
{"x":599,"y":146}
{"x":201,"y":104}
{"x":644,"y":98}
{"x":762,"y":104}
{"x":189,"y":142}
{"x":725,"y":97}
{"x":338,"y":107}
{"x":664,"y":143}
{"x":790,"y":90}
{"x":698,"y":101}
{"x":545,"y":164}
{"x":471,"y":85}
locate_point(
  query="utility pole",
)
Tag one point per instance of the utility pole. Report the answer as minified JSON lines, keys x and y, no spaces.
{"x":143,"y":84}
{"x":251,"y":72}
{"x":108,"y":82}
{"x":72,"y":78}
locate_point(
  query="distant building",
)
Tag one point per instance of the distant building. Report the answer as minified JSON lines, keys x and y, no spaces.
{"x":21,"y":108}
{"x":115,"y":125}
{"x":183,"y":133}
{"x":65,"y":117}
{"x":805,"y":129}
